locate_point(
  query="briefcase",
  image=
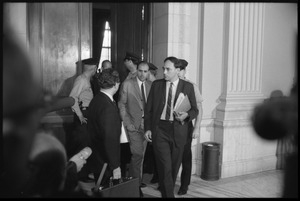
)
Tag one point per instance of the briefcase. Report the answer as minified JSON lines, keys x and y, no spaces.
{"x":124,"y":187}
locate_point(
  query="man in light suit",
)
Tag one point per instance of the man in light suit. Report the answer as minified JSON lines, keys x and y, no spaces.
{"x":104,"y":128}
{"x":133,"y":96}
{"x":167,"y":131}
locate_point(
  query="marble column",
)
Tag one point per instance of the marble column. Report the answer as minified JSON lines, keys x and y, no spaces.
{"x":171,"y":32}
{"x":242,"y":150}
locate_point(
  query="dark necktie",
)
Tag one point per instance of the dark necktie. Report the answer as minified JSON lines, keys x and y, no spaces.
{"x":168,"y":112}
{"x":143,"y":95}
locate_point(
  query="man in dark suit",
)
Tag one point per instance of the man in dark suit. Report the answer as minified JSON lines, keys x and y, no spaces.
{"x":104,"y":128}
{"x":168,"y":131}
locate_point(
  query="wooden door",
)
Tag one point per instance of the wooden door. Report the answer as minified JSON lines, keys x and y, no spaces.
{"x":130,"y":28}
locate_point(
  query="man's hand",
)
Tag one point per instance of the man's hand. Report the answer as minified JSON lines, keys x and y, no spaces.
{"x":196,"y":135}
{"x":148,"y":136}
{"x":117,"y":173}
{"x":82,"y":119}
{"x":181,"y":116}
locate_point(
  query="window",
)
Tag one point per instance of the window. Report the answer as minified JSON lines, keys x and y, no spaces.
{"x":106,"y":45}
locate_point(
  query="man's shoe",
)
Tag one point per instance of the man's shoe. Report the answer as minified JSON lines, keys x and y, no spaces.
{"x":143,"y":185}
{"x":154,"y":180}
{"x":182,"y":192}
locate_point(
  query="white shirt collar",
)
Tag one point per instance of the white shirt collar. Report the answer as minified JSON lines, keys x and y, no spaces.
{"x":140,"y":82}
{"x":110,"y":96}
{"x":175,"y":83}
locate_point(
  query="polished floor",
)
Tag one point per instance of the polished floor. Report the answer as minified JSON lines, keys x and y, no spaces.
{"x":267,"y":184}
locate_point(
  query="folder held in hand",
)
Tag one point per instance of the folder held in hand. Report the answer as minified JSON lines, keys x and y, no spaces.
{"x":182,"y":104}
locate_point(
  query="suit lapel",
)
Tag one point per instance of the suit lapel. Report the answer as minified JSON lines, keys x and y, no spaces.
{"x":138,"y":92}
{"x":147,"y":85}
{"x":161,"y":95}
{"x":164,"y":86}
{"x":137,"y":88}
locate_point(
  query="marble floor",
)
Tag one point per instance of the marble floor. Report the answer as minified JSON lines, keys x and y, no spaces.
{"x":267,"y":184}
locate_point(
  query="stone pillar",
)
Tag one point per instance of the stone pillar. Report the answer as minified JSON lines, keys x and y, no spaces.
{"x":171,"y":32}
{"x":241,"y":90}
{"x":179,"y":29}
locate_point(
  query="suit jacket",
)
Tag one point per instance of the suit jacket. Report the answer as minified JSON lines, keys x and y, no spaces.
{"x":130,"y":103}
{"x":104,"y":130}
{"x":155,"y":104}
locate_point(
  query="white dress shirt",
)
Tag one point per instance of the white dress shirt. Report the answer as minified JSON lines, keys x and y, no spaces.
{"x":174,"y":88}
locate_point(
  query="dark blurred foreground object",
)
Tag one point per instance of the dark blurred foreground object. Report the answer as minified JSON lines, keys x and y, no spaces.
{"x":275,"y":119}
{"x":32,"y":164}
{"x":47,"y":163}
{"x":23,"y":107}
{"x":61,"y":103}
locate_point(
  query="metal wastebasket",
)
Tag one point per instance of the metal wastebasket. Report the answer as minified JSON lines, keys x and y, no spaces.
{"x":210,"y":161}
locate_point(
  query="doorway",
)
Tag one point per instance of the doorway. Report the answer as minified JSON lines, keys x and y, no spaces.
{"x":129,"y":28}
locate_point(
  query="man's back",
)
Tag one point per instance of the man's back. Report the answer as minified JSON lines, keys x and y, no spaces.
{"x":104,"y":126}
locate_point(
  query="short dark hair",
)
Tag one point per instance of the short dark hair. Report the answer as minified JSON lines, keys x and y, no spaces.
{"x":174,"y":60}
{"x":108,"y":78}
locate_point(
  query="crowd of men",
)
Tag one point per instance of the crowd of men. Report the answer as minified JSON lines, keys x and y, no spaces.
{"x":37,"y":164}
{"x":100,"y":117}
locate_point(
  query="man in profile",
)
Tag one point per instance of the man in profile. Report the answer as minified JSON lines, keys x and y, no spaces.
{"x":104,"y":128}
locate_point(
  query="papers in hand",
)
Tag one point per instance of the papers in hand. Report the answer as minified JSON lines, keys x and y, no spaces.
{"x":182,"y":104}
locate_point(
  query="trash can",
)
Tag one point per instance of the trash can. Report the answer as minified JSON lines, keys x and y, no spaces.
{"x":210,"y":161}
